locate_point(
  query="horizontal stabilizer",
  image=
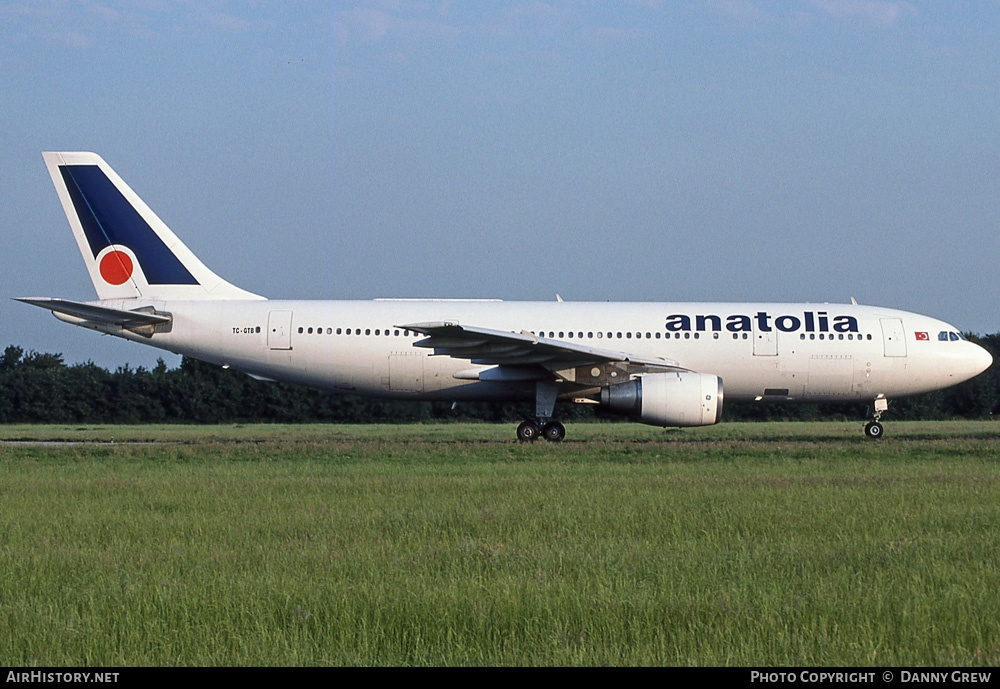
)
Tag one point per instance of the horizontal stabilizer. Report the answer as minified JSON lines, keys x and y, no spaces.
{"x":141,"y":321}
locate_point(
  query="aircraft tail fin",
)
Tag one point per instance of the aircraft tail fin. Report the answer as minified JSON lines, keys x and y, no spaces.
{"x":129,"y":252}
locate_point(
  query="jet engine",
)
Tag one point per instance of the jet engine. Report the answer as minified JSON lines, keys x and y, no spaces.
{"x":682,"y":398}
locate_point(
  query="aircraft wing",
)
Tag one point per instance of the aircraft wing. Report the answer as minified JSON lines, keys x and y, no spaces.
{"x":101,"y":315}
{"x":505,"y":348}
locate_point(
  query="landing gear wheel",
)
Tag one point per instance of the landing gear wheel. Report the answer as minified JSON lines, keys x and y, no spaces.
{"x":528,"y":432}
{"x":553,"y":431}
{"x":873,"y":429}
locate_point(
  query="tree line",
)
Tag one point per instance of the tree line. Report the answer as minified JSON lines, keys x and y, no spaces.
{"x":41,"y":388}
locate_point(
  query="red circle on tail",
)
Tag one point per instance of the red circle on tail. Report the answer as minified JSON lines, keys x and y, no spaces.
{"x":116,"y":267}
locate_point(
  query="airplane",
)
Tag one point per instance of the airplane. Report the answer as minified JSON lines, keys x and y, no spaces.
{"x":658,"y":363}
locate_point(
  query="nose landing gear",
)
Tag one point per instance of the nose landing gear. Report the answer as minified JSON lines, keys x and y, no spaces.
{"x":873,"y":429}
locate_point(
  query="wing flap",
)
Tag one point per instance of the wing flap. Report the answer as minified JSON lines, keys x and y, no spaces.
{"x":487,"y":346}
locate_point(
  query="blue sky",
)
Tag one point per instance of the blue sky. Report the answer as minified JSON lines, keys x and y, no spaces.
{"x":731,"y":150}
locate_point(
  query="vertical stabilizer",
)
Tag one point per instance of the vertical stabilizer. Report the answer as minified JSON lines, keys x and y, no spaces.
{"x":129,"y":252}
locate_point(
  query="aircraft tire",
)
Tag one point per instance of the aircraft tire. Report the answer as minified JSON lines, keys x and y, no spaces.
{"x":553,"y":431}
{"x":874,"y":430}
{"x":528,"y":432}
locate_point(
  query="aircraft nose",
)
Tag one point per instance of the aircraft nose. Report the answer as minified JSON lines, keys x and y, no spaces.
{"x":980,"y":360}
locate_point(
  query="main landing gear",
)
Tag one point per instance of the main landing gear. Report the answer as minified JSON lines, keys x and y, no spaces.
{"x":529,"y":431}
{"x":545,"y":401}
{"x":873,"y":429}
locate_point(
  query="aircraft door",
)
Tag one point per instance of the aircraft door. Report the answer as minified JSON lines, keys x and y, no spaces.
{"x":892,"y":337}
{"x":279,"y":329}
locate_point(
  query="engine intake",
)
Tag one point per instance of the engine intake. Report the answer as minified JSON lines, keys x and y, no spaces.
{"x":682,"y":398}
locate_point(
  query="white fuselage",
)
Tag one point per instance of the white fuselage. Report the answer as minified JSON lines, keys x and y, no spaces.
{"x":665,"y":364}
{"x":800,"y":352}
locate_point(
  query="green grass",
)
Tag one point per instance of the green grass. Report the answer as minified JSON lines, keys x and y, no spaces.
{"x":740,"y":544}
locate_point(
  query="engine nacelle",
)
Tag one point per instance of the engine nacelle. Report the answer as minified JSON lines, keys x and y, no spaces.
{"x":681,"y":398}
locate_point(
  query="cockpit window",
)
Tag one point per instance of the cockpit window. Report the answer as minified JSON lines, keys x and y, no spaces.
{"x":946,"y":336}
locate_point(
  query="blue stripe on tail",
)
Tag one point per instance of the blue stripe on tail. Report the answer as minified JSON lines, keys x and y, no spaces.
{"x":108,"y":218}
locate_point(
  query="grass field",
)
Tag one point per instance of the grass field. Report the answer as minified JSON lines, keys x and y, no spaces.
{"x":739,"y":544}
